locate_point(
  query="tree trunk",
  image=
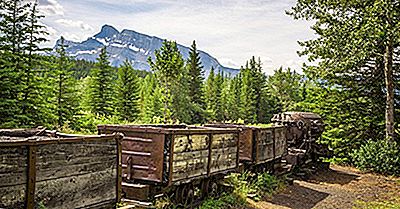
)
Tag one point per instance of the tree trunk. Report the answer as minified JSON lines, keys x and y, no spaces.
{"x":388,"y":59}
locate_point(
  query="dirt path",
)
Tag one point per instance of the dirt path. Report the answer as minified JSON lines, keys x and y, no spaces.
{"x":339,"y":187}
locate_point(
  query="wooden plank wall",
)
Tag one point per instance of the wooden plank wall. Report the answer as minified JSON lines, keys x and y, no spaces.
{"x":280,"y":142}
{"x":190,"y":157}
{"x":73,"y":175}
{"x":13,"y":176}
{"x":68,"y":175}
{"x":265,"y":145}
{"x":223,"y":152}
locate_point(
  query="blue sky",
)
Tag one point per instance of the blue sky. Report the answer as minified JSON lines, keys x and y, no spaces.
{"x":230,"y":30}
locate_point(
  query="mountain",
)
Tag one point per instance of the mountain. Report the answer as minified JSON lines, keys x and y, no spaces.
{"x":132,"y":46}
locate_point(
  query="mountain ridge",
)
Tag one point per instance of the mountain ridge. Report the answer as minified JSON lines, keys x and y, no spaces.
{"x":133,"y":46}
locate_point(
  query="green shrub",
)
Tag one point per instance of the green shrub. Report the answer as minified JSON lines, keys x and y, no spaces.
{"x":86,"y":123}
{"x":267,"y":183}
{"x":224,"y":201}
{"x":379,"y":156}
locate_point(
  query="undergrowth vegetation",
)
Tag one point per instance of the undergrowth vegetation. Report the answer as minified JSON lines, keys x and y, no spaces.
{"x":245,"y":185}
{"x":380,"y":156}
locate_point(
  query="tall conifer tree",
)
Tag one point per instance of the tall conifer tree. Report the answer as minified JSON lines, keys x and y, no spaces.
{"x":195,"y":82}
{"x":168,"y":67}
{"x":101,"y":86}
{"x":65,"y":89}
{"x":127,"y":91}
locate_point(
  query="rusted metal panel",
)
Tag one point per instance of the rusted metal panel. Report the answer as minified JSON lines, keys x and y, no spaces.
{"x":136,"y":191}
{"x":246,"y":144}
{"x":142,"y":153}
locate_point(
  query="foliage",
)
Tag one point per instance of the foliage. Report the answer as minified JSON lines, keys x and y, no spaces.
{"x":380,"y":156}
{"x":127,"y":93}
{"x":66,"y":102}
{"x":168,"y":67}
{"x":245,"y":185}
{"x":351,"y":71}
{"x":224,"y":201}
{"x":86,"y":122}
{"x":285,"y":86}
{"x":101,"y":88}
{"x":195,"y":84}
{"x":392,"y":203}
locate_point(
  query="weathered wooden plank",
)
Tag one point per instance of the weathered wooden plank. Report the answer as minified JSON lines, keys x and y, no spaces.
{"x":224,"y":140}
{"x":223,"y":159}
{"x":77,"y":191}
{"x":70,"y":170}
{"x":13,"y":159}
{"x":190,"y":155}
{"x":189,"y":168}
{"x":13,"y":196}
{"x":76,"y":150}
{"x":189,"y":164}
{"x":8,"y":179}
{"x":185,"y":143}
{"x":265,"y":152}
{"x":60,"y":163}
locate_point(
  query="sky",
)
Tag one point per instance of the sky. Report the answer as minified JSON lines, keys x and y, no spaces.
{"x":230,"y":30}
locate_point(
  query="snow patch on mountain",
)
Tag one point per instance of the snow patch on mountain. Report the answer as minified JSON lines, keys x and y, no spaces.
{"x":134,"y":47}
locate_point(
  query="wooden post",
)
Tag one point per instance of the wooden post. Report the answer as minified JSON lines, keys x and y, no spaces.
{"x":210,"y":137}
{"x":31,"y":183}
{"x":119,"y":168}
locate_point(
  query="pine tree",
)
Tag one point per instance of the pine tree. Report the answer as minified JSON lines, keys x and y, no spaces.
{"x":234,"y":98}
{"x":65,"y":89}
{"x":210,"y":96}
{"x":355,"y":46}
{"x":195,"y":82}
{"x":13,"y":21}
{"x":101,"y":86}
{"x":181,"y":105}
{"x":34,"y":108}
{"x":168,"y":66}
{"x":224,"y":99}
{"x":286,"y":86}
{"x":248,"y":110}
{"x":219,"y":106}
{"x":127,"y":91}
{"x":150,"y":100}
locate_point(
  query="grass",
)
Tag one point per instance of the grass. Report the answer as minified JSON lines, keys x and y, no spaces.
{"x":245,"y":185}
{"x":394,"y":204}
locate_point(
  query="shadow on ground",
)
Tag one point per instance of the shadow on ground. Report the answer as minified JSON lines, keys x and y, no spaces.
{"x":332,"y":176}
{"x":298,"y":197}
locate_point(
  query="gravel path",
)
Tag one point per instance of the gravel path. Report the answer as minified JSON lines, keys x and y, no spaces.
{"x":338,"y":187}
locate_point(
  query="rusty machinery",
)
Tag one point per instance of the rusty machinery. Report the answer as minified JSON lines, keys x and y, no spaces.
{"x":303,"y":131}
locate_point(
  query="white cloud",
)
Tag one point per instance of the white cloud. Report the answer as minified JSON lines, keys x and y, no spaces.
{"x":228,"y":63}
{"x":70,"y":36}
{"x":50,"y":7}
{"x":76,"y":24}
{"x":231,"y":30}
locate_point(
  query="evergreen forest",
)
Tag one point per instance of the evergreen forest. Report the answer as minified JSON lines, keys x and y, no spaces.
{"x":352,"y":81}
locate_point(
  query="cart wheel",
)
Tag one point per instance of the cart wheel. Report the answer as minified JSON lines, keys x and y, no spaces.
{"x":213,"y":189}
{"x":189,"y":196}
{"x":205,"y":185}
{"x":179,"y":195}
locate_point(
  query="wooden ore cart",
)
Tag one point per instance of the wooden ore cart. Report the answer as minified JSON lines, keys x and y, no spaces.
{"x":259,"y":147}
{"x":174,"y":159}
{"x":41,"y":169}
